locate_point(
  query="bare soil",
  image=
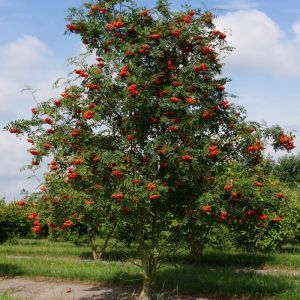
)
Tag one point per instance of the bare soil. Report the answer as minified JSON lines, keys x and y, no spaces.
{"x":49,"y":289}
{"x":44,"y":289}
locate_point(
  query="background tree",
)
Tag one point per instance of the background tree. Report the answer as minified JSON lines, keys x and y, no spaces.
{"x":287,"y":169}
{"x":13,"y":220}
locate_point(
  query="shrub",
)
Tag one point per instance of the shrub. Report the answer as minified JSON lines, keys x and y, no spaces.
{"x":13,"y":222}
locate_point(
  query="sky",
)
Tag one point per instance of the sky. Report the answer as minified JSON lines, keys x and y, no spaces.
{"x":264,"y":67}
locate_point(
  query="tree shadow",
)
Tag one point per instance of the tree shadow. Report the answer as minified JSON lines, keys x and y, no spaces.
{"x":228,"y":259}
{"x":246,"y":260}
{"x":112,"y":255}
{"x":113,"y":293}
{"x":217,"y":283}
{"x":10,"y":269}
{"x":291,"y":249}
{"x":86,"y":255}
{"x":191,"y":282}
{"x":226,"y":283}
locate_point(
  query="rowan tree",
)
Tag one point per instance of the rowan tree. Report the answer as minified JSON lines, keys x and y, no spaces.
{"x":142,"y":136}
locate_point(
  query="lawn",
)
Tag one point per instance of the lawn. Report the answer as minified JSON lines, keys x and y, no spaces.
{"x":218,"y":274}
{"x":8,"y":296}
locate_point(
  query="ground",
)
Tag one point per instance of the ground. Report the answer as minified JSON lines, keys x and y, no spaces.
{"x":39,"y":269}
{"x":44,"y":289}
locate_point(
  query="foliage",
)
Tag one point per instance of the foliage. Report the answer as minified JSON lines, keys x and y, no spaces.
{"x":13,"y":222}
{"x":145,"y":138}
{"x":76,"y":234}
{"x":287,"y":170}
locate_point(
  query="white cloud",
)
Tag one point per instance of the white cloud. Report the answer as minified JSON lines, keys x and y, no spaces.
{"x":260,"y":44}
{"x":270,"y":109}
{"x":296,"y":29}
{"x":22,"y":62}
{"x":238,"y":5}
{"x":26,"y":51}
{"x":86,"y":55}
{"x":14,"y":156}
{"x":27,"y":60}
{"x":34,"y":64}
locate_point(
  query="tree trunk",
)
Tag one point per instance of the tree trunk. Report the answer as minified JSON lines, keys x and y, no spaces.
{"x":97,"y":254}
{"x":149,"y":258}
{"x":97,"y":251}
{"x":147,"y":290}
{"x":149,"y":265}
{"x":196,"y":248}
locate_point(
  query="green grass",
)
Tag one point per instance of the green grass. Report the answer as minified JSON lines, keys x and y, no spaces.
{"x":189,"y":278}
{"x":43,"y":247}
{"x":215,"y":275}
{"x":252,"y":260}
{"x":229,"y":282}
{"x":8,"y":296}
{"x":214,"y":258}
{"x":114,"y":272}
{"x":32,"y":247}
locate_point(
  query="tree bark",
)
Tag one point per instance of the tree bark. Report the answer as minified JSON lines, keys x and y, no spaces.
{"x":149,"y":258}
{"x":98,"y":251}
{"x":97,"y":254}
{"x":197,"y":245}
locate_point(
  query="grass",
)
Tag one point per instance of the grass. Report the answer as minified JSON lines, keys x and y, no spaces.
{"x":216,"y":275}
{"x":8,"y":296}
{"x":215,"y":258}
{"x":36,"y":247}
{"x":189,"y":278}
{"x":43,"y":247}
{"x":114,"y":272}
{"x":252,"y":260}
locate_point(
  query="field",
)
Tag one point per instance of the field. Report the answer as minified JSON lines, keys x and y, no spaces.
{"x":230,"y":275}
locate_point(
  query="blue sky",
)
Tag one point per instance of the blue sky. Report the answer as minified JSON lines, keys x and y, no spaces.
{"x":265,"y":67}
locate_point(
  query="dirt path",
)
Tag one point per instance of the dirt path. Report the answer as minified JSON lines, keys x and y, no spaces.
{"x":49,"y":289}
{"x":43,"y":289}
{"x":269,"y":271}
